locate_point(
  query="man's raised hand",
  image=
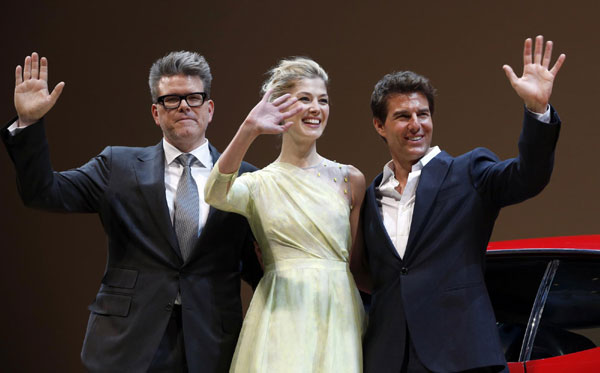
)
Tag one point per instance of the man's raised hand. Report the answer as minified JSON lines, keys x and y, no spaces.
{"x":32,"y":98}
{"x":535,"y":85}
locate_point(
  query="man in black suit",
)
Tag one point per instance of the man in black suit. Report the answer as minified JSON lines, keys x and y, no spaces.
{"x":427,"y":220}
{"x":170,"y":297}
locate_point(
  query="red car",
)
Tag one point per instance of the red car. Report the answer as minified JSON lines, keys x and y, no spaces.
{"x":546,"y":296}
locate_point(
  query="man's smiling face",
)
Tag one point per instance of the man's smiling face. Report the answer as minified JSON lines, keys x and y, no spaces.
{"x":408,"y":126}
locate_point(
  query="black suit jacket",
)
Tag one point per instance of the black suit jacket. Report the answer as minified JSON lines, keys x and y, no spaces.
{"x":437,"y":290}
{"x":145,"y":270}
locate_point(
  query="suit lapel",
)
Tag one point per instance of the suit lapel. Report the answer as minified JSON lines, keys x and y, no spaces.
{"x":378,"y":219}
{"x":150,"y":173}
{"x":432,"y":177}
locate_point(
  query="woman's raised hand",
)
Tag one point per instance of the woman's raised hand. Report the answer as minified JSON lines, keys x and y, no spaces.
{"x":271,"y":117}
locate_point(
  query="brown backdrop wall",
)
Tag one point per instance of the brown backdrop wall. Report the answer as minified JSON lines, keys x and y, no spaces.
{"x":53,"y":263}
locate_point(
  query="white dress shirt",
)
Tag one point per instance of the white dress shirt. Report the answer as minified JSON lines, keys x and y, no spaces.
{"x":174,"y":170}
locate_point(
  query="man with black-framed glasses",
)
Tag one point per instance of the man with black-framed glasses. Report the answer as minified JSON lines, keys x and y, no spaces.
{"x":170,"y":296}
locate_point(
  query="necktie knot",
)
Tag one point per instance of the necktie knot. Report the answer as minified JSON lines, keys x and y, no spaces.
{"x":186,"y":159}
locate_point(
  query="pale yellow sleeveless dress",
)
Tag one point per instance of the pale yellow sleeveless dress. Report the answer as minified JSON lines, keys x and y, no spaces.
{"x":306,"y":314}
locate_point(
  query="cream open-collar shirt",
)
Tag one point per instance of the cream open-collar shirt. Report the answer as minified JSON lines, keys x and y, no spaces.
{"x":396,"y":208}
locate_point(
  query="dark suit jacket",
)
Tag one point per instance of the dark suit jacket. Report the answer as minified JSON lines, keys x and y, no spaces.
{"x":145,"y":270}
{"x":438,"y":288}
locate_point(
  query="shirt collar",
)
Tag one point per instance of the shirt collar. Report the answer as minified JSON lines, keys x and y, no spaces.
{"x":388,"y":169}
{"x":202,"y":153}
{"x":431,"y":153}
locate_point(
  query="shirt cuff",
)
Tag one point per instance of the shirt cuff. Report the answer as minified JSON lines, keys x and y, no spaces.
{"x":545,"y":117}
{"x":14,"y":128}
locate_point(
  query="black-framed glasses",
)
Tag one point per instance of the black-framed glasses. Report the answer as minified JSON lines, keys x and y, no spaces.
{"x":194,"y":99}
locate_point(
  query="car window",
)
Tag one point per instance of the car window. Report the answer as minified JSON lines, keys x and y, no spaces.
{"x":570,"y":320}
{"x":513,"y":283}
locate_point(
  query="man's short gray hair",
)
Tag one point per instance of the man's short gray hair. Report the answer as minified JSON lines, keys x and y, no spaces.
{"x":181,"y":62}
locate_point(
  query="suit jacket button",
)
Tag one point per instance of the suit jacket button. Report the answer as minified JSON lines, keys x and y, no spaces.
{"x":404,"y":271}
{"x":169,"y":307}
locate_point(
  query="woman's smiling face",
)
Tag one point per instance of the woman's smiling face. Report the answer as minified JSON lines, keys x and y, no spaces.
{"x":312,"y":96}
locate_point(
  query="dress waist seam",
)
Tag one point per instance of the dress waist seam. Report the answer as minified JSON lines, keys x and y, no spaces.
{"x":292,"y":264}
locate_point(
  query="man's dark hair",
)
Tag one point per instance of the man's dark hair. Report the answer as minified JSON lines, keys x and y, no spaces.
{"x":397,"y":83}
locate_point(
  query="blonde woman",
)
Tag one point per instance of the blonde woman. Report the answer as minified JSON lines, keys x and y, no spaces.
{"x":306,"y":314}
